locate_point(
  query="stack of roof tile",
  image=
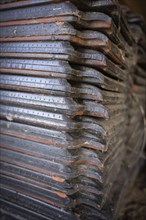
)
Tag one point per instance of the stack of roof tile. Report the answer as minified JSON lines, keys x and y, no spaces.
{"x":65,"y":101}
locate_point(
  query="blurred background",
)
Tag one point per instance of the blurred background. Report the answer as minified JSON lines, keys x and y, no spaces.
{"x":137,"y":6}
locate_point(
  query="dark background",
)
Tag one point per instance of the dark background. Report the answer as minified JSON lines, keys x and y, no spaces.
{"x":138,"y":6}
